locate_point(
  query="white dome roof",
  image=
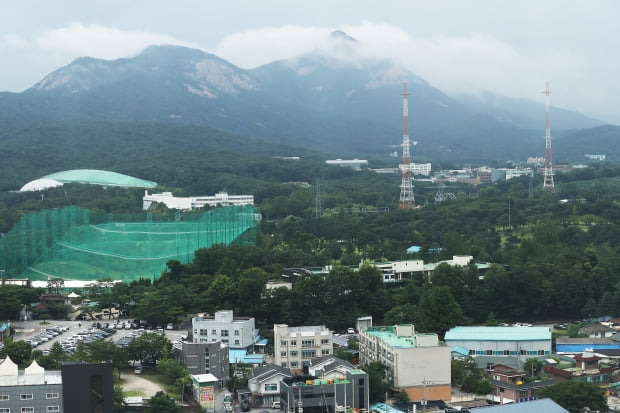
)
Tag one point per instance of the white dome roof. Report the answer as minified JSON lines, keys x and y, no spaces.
{"x":40,"y":184}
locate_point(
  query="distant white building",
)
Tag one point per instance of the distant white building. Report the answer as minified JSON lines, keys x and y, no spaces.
{"x":294,"y":347}
{"x":421,"y":169}
{"x":596,"y":157}
{"x":351,"y":163}
{"x":514,"y":173}
{"x":189,"y":203}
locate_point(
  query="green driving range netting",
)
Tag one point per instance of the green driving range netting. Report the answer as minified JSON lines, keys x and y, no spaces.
{"x":78,"y":244}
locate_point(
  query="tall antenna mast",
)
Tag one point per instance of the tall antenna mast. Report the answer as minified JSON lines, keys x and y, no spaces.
{"x":317,"y":199}
{"x":548,"y":181}
{"x":407,"y":201}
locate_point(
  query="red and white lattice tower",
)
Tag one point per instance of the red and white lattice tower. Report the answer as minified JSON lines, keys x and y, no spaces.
{"x":407,"y":201}
{"x":548,"y":181}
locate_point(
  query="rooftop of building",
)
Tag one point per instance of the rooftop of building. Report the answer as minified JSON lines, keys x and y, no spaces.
{"x":482,"y":333}
{"x":388,"y":335}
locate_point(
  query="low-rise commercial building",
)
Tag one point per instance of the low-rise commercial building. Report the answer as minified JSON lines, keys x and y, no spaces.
{"x":501,"y":341}
{"x":318,"y":395}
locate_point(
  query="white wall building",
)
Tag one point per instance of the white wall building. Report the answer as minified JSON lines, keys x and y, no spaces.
{"x":237,"y":333}
{"x":189,"y":203}
{"x":294,"y":347}
{"x":351,"y":163}
{"x":517,"y":172}
{"x":421,"y":169}
{"x":417,"y":363}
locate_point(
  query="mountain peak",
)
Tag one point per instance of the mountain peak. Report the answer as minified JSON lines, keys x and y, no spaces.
{"x":340,"y":35}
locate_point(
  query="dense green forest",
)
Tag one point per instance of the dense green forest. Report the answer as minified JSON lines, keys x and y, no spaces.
{"x":554,"y":256}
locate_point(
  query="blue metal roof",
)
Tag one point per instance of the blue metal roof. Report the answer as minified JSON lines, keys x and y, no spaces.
{"x":481,"y":333}
{"x":578,"y":348}
{"x":236,"y":356}
{"x":3,"y":327}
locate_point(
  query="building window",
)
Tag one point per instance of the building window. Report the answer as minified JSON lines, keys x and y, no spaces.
{"x":214,"y":332}
{"x":472,"y":352}
{"x":283,"y":364}
{"x":293,"y":342}
{"x":225,"y":341}
{"x":307,"y":343}
{"x":325,"y":341}
{"x":27,"y":409}
{"x":236,"y":332}
{"x":308,"y":354}
{"x":523,"y":393}
{"x":293,"y":354}
{"x":283,"y":342}
{"x":294,"y":364}
{"x":522,"y":352}
{"x":4,"y":397}
{"x":237,"y":342}
{"x":271,"y":387}
{"x":489,"y":352}
{"x":506,"y":352}
{"x":283,"y":354}
{"x":53,"y":408}
{"x":324,"y":352}
{"x":541,"y":352}
{"x":224,"y":333}
{"x":26,"y":397}
{"x":5,"y":410}
{"x":52,"y":395}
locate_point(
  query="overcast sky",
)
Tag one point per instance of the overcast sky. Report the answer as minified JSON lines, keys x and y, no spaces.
{"x":459,"y":46}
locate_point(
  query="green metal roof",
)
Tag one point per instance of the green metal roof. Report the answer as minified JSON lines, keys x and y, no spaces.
{"x":478,"y":333}
{"x":97,"y":177}
{"x":388,"y":335}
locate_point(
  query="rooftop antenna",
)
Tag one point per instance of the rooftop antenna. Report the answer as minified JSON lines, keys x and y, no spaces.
{"x":407,"y":200}
{"x":548,"y":181}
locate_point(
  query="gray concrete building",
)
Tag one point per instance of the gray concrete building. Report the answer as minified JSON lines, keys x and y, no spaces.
{"x":76,"y":388}
{"x":204,"y":358}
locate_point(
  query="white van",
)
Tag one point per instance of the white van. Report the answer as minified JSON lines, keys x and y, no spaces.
{"x":275,"y":405}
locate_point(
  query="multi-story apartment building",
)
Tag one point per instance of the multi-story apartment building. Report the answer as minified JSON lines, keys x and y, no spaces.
{"x":294,"y":347}
{"x":236,"y":332}
{"x":417,"y":363}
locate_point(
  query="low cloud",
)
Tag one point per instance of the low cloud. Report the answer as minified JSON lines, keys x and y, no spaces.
{"x":99,"y":41}
{"x":456,"y":64}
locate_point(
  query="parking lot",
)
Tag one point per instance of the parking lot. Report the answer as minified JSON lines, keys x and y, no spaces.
{"x":42,"y":335}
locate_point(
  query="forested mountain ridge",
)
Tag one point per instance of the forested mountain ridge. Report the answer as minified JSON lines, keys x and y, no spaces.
{"x":335,"y":104}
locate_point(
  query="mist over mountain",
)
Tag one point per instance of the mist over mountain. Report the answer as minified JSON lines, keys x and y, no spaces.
{"x":334,"y":101}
